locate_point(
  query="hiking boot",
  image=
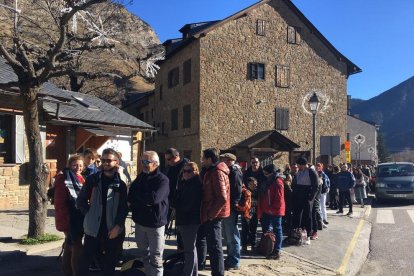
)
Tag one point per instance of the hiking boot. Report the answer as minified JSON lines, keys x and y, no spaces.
{"x":314,"y":236}
{"x":340,"y":212}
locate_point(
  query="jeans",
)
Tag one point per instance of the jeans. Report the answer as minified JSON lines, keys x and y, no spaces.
{"x":111,"y":249}
{"x":201,"y":245}
{"x":333,"y":201}
{"x":273,"y":223}
{"x":189,"y":235}
{"x":150,"y":242}
{"x":214,"y":246}
{"x":249,"y":230}
{"x":232,"y":236}
{"x":323,"y":206}
{"x":73,"y":260}
{"x":342,"y":196}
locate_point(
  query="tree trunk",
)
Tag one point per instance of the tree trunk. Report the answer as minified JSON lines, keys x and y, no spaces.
{"x":37,"y":168}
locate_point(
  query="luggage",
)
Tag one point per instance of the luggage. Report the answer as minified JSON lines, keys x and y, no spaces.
{"x":266,"y":244}
{"x":297,"y":236}
{"x":174,"y":264}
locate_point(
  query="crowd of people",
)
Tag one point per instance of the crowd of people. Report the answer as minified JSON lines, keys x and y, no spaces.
{"x":92,"y":200}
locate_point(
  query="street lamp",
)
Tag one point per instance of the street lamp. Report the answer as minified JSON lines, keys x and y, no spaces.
{"x":314,"y":104}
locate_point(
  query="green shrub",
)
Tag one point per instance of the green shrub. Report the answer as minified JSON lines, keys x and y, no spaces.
{"x":41,"y":239}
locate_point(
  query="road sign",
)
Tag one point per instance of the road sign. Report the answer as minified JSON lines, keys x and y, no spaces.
{"x":359,"y":139}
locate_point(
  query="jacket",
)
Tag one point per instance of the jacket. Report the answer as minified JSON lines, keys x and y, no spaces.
{"x":148,"y":199}
{"x":188,"y":201}
{"x":216,"y":193}
{"x":272,"y":200}
{"x":345,"y":181}
{"x":257,"y":174}
{"x":90,"y":203}
{"x":236,"y":184}
{"x":174,"y":174}
{"x":311,"y":190}
{"x":245,"y":203}
{"x":64,"y":204}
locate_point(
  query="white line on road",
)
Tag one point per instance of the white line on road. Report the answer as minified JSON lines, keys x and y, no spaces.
{"x":411,"y":214}
{"x":385,"y":216}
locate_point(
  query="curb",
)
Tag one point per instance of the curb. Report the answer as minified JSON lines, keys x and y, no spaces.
{"x":43,"y":247}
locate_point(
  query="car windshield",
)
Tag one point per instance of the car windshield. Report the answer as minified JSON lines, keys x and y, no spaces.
{"x":396,"y":170}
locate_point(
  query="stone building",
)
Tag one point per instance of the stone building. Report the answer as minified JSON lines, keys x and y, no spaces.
{"x":242,"y":84}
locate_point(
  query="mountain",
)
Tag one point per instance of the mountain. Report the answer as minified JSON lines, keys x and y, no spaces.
{"x":355,"y":102}
{"x":135,"y":42}
{"x":393,"y":111}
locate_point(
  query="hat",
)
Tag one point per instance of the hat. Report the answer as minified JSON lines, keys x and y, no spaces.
{"x":271,"y":168}
{"x":229,"y":156}
{"x":301,"y":161}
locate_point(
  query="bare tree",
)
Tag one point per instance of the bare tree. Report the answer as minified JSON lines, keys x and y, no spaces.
{"x":45,"y":42}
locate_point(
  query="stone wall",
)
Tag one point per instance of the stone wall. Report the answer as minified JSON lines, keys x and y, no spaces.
{"x":14,"y":189}
{"x":184,"y":139}
{"x":234,"y":108}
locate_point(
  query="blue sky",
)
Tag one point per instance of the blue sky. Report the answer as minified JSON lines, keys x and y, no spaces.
{"x":378,"y":36}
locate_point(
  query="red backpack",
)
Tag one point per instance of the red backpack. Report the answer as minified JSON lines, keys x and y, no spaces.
{"x":266,"y":244}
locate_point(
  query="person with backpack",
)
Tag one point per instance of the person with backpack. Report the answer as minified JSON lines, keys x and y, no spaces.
{"x":271,"y":207}
{"x":188,"y":203}
{"x":305,"y":187}
{"x":247,"y":207}
{"x":103,"y":201}
{"x":361,"y":181}
{"x":68,"y":218}
{"x":346,"y":182}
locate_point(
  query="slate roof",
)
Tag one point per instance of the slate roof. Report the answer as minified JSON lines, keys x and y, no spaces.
{"x":284,"y":143}
{"x":78,"y":107}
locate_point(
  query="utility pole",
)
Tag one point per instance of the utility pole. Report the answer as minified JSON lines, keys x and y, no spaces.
{"x":15,"y":11}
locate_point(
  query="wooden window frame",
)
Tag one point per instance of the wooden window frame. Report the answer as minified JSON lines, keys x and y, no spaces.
{"x":187,"y":116}
{"x":281,"y":118}
{"x":174,"y":119}
{"x":173,"y":77}
{"x":187,"y":71}
{"x":260,"y":27}
{"x":293,"y":35}
{"x":282,"y":76}
{"x":253,"y":71}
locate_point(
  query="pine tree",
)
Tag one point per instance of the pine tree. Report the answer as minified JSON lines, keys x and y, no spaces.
{"x":383,"y":153}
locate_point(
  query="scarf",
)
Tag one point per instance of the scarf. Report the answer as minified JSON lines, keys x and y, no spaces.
{"x":72,"y":182}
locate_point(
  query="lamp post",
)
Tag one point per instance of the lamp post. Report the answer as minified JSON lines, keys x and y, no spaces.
{"x":314,"y":104}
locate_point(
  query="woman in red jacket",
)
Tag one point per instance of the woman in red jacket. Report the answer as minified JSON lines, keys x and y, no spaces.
{"x":68,"y":218}
{"x":271,"y":207}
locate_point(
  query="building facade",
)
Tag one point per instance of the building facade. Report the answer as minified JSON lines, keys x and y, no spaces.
{"x":226,"y":82}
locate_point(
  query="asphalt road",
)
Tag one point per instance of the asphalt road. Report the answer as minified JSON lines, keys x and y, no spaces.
{"x":391,"y":241}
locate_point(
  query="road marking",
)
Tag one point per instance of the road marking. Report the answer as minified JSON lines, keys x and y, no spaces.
{"x":385,"y":216}
{"x":351,"y":246}
{"x":411,"y":214}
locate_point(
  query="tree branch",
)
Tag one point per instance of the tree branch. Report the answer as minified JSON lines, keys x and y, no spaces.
{"x":10,"y":86}
{"x":86,"y":75}
{"x":13,"y":62}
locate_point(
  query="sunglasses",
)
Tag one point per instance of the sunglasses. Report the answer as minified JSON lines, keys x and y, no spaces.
{"x":255,"y":162}
{"x":107,"y":160}
{"x":187,"y":171}
{"x":146,"y":162}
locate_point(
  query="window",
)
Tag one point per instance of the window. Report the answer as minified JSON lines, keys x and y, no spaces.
{"x":187,"y":71}
{"x":174,"y":119}
{"x":256,"y":71}
{"x":173,"y":77}
{"x":293,"y":35}
{"x":282,"y":76}
{"x":187,"y":116}
{"x":281,"y":118}
{"x":161,"y":92}
{"x":260,"y":27}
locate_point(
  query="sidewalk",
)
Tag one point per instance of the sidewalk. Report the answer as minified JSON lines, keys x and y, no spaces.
{"x":341,"y":248}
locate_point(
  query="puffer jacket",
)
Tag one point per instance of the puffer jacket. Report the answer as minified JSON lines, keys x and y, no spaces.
{"x":245,"y":203}
{"x":64,"y":205}
{"x":272,"y":200}
{"x":216,"y":193}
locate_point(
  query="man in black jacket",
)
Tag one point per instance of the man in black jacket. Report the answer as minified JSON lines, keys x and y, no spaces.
{"x":148,"y":201}
{"x":231,"y":231}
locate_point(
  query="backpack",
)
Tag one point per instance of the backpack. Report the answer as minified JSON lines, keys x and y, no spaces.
{"x":267,"y":244}
{"x":297,"y":236}
{"x":174,"y":264}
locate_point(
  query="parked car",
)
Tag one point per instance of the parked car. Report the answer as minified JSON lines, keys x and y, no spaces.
{"x":395,"y":180}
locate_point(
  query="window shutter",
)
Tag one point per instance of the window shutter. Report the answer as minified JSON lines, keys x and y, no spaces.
{"x":285,"y":119}
{"x":19,"y":143}
{"x":282,"y":119}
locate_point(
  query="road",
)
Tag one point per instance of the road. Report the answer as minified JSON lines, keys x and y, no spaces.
{"x":391,"y":240}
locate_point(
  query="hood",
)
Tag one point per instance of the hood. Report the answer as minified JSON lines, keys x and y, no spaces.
{"x":223,"y":167}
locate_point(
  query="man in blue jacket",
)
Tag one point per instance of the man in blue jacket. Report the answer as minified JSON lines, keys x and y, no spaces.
{"x":148,"y":201}
{"x":346,"y":181}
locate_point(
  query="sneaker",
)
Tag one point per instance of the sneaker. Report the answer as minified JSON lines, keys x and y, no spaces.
{"x":324,"y":225}
{"x":340,"y":212}
{"x":349,"y":214}
{"x":307,"y":242}
{"x":324,"y":221}
{"x":314,"y":236}
{"x":273,"y":256}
